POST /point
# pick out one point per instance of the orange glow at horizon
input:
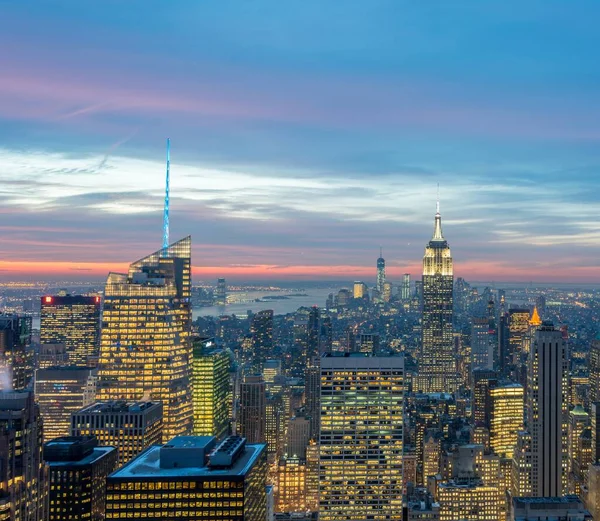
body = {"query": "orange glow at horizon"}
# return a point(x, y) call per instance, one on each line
point(470, 270)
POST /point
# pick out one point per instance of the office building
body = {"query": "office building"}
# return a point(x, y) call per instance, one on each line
point(16, 356)
point(518, 328)
point(211, 390)
point(192, 478)
point(77, 472)
point(437, 365)
point(471, 499)
point(595, 428)
point(61, 391)
point(271, 370)
point(595, 370)
point(298, 435)
point(72, 320)
point(562, 508)
point(579, 448)
point(275, 420)
point(380, 272)
point(360, 290)
point(521, 478)
point(221, 293)
point(252, 409)
point(592, 496)
point(361, 419)
point(23, 479)
point(52, 355)
point(546, 411)
point(483, 380)
point(506, 417)
point(482, 349)
point(145, 351)
point(261, 331)
point(291, 489)
point(130, 427)
point(367, 343)
point(405, 288)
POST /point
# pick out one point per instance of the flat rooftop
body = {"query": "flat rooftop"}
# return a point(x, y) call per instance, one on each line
point(95, 455)
point(118, 406)
point(147, 464)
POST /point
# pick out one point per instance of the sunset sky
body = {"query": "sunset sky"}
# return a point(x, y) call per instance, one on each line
point(305, 134)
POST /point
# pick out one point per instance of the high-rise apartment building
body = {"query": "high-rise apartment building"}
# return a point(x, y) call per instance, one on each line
point(210, 384)
point(361, 441)
point(130, 427)
point(23, 483)
point(145, 351)
point(252, 409)
point(16, 356)
point(506, 417)
point(192, 478)
point(261, 331)
point(437, 365)
point(546, 411)
point(77, 472)
point(380, 272)
point(61, 391)
point(72, 320)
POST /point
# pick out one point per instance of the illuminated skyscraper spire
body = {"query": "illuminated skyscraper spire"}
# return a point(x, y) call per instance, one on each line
point(437, 231)
point(165, 243)
point(380, 271)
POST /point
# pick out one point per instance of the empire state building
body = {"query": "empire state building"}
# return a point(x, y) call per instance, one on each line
point(437, 367)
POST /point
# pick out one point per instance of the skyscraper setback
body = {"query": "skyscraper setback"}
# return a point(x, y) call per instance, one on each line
point(145, 351)
point(437, 367)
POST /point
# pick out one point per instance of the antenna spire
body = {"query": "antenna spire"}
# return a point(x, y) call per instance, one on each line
point(437, 204)
point(166, 210)
point(380, 251)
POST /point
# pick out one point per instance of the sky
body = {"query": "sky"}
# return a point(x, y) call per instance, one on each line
point(305, 135)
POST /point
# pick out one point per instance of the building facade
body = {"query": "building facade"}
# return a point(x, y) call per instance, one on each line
point(23, 478)
point(361, 440)
point(72, 320)
point(61, 391)
point(192, 478)
point(211, 393)
point(16, 356)
point(437, 365)
point(130, 427)
point(77, 472)
point(252, 423)
point(145, 351)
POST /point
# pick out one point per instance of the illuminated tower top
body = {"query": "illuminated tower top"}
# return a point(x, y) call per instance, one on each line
point(166, 209)
point(438, 258)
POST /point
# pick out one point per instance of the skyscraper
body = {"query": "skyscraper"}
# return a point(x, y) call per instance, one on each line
point(72, 320)
point(211, 394)
point(482, 350)
point(145, 349)
point(595, 370)
point(252, 414)
point(61, 391)
point(546, 411)
point(77, 472)
point(506, 417)
point(261, 331)
point(437, 367)
point(23, 485)
point(405, 295)
point(380, 272)
point(130, 427)
point(361, 440)
point(221, 293)
point(16, 357)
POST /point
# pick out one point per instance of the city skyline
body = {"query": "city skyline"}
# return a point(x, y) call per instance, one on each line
point(295, 158)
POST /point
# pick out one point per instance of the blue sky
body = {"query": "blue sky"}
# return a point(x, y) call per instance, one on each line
point(304, 134)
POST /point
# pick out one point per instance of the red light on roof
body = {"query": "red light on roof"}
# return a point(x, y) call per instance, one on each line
point(47, 300)
point(97, 299)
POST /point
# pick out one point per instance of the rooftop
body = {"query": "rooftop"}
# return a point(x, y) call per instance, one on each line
point(147, 464)
point(119, 406)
